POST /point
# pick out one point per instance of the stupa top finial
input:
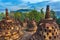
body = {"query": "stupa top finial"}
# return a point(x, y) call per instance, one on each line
point(47, 12)
point(6, 13)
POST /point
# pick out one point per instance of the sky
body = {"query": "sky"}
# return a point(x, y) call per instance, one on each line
point(14, 5)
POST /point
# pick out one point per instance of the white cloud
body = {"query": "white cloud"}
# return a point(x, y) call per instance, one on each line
point(54, 0)
point(5, 4)
point(11, 6)
point(34, 1)
point(16, 7)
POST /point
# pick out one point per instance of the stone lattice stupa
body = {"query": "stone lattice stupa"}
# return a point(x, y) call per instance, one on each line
point(10, 29)
point(47, 28)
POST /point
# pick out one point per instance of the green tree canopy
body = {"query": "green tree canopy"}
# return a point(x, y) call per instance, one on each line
point(2, 15)
point(42, 16)
point(34, 15)
point(53, 15)
point(58, 20)
point(17, 15)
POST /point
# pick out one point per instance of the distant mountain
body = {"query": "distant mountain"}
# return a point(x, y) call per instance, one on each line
point(57, 13)
point(27, 10)
point(23, 10)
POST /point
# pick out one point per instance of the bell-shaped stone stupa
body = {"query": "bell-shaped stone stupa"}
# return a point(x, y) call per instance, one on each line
point(47, 28)
point(10, 29)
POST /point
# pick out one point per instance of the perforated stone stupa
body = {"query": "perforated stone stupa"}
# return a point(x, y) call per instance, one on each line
point(47, 28)
point(10, 29)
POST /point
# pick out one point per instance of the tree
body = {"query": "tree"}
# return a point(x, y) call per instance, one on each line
point(53, 15)
point(58, 20)
point(17, 15)
point(2, 15)
point(34, 15)
point(42, 14)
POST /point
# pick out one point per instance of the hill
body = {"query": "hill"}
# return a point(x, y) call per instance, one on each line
point(57, 13)
point(22, 10)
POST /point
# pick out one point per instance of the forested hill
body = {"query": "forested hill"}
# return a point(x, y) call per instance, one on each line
point(57, 13)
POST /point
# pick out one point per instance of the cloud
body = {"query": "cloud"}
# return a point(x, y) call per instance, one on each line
point(25, 4)
point(19, 6)
point(10, 4)
point(34, 1)
point(54, 0)
point(13, 8)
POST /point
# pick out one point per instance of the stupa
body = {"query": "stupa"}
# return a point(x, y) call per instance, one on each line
point(10, 29)
point(29, 25)
point(47, 28)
